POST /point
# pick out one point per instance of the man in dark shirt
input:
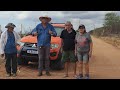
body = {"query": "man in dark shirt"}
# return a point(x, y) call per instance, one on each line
point(68, 46)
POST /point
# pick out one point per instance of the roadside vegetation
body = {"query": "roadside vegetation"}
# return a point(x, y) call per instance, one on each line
point(110, 32)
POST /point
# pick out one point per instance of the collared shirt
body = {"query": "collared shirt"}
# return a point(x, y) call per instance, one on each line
point(44, 37)
point(10, 46)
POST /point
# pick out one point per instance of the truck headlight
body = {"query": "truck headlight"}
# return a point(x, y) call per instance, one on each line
point(53, 46)
point(20, 44)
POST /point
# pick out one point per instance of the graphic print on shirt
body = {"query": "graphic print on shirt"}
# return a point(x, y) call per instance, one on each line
point(82, 41)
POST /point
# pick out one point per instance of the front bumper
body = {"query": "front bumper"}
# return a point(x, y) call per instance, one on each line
point(35, 58)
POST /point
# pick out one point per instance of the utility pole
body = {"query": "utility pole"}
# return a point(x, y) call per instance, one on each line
point(94, 29)
point(79, 21)
point(94, 26)
point(0, 31)
point(35, 21)
point(21, 30)
point(78, 24)
point(30, 29)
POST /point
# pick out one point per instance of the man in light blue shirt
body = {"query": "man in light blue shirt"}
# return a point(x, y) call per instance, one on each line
point(44, 31)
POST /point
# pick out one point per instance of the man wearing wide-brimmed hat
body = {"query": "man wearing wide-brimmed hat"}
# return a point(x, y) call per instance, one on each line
point(44, 31)
point(8, 49)
point(45, 17)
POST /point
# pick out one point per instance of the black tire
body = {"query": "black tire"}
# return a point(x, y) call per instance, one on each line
point(57, 64)
point(22, 61)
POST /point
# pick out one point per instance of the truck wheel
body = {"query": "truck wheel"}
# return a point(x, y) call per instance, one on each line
point(22, 61)
point(57, 64)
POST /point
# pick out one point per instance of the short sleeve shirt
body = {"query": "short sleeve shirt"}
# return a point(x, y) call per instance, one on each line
point(68, 40)
point(83, 42)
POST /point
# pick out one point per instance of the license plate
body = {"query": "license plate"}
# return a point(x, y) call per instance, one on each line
point(32, 52)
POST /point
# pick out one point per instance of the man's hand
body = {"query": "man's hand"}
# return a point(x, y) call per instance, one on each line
point(50, 32)
point(90, 54)
point(2, 55)
point(35, 33)
point(61, 50)
point(75, 53)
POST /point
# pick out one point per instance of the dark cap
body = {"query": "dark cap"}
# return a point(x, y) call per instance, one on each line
point(10, 25)
point(82, 26)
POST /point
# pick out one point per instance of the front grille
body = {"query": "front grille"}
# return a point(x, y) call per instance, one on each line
point(28, 54)
point(53, 54)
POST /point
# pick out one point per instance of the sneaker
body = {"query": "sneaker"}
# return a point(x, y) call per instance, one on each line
point(14, 75)
point(80, 76)
point(48, 74)
point(8, 75)
point(40, 74)
point(87, 76)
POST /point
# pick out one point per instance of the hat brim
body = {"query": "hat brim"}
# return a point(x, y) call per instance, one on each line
point(48, 18)
point(10, 26)
point(81, 27)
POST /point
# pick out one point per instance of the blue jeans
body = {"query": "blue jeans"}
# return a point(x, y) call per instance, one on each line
point(83, 56)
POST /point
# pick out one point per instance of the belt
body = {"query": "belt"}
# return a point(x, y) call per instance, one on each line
point(42, 46)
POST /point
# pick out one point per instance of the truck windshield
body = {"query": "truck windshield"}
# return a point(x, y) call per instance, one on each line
point(58, 30)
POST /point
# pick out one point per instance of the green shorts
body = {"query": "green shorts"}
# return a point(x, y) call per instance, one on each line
point(68, 56)
point(83, 56)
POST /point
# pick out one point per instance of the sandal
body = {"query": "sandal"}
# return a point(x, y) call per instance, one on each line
point(65, 76)
point(75, 76)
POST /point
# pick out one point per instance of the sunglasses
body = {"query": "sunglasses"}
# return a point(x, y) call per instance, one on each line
point(44, 18)
point(81, 28)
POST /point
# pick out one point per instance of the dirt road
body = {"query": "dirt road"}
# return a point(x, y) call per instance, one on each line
point(104, 64)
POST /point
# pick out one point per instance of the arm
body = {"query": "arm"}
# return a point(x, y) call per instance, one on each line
point(2, 46)
point(91, 46)
point(18, 37)
point(34, 31)
point(61, 36)
point(75, 46)
point(90, 52)
point(53, 33)
point(61, 45)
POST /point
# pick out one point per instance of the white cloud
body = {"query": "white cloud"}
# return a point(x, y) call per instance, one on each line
point(23, 15)
point(52, 14)
point(75, 22)
point(90, 18)
point(5, 14)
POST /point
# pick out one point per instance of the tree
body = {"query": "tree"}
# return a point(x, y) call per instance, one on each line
point(111, 26)
point(112, 22)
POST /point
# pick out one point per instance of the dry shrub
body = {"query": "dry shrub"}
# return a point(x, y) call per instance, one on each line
point(115, 41)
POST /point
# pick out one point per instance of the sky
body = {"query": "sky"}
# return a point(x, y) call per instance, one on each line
point(29, 19)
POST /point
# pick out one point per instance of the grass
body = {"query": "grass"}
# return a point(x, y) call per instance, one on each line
point(115, 41)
